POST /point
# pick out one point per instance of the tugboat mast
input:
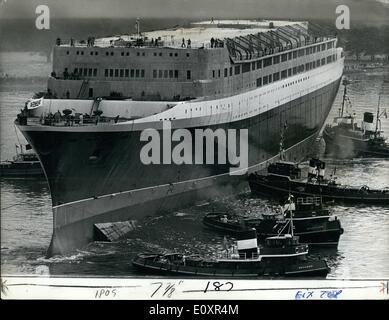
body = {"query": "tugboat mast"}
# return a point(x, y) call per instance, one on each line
point(378, 115)
point(344, 97)
point(291, 215)
point(282, 151)
point(378, 120)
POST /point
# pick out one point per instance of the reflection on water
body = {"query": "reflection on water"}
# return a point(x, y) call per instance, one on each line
point(26, 218)
point(26, 222)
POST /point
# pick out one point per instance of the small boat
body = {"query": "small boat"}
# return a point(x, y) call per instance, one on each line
point(284, 178)
point(282, 256)
point(345, 139)
point(313, 223)
point(23, 164)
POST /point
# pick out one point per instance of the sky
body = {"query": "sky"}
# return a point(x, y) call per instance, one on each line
point(360, 9)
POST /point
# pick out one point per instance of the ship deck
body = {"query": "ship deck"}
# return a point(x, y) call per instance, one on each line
point(199, 33)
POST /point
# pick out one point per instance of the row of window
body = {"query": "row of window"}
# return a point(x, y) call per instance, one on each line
point(294, 54)
point(127, 73)
point(295, 70)
point(246, 67)
point(165, 74)
point(170, 74)
point(223, 106)
point(174, 74)
point(138, 54)
point(140, 73)
point(85, 72)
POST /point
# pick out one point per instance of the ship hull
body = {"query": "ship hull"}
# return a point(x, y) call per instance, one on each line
point(98, 176)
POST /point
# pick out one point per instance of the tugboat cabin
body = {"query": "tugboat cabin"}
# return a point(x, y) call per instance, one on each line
point(285, 168)
point(282, 241)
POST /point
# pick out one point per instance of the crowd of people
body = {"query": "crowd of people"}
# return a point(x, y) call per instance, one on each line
point(57, 118)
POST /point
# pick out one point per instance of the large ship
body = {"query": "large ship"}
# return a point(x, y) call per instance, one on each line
point(108, 98)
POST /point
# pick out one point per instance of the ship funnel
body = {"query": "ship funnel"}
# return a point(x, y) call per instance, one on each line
point(312, 168)
point(367, 123)
point(247, 242)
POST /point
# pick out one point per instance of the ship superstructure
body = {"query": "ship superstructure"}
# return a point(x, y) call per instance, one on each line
point(231, 75)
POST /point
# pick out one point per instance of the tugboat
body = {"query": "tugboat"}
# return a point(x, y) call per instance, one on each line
point(313, 223)
point(23, 164)
point(345, 139)
point(281, 256)
point(284, 178)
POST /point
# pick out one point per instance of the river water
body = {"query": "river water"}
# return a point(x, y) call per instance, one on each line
point(26, 219)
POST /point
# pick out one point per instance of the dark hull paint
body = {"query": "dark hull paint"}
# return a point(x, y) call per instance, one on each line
point(314, 233)
point(283, 187)
point(72, 176)
point(309, 269)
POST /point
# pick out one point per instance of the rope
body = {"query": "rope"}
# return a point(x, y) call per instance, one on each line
point(16, 204)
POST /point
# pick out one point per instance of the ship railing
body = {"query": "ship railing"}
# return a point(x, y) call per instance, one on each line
point(75, 122)
point(121, 43)
point(73, 43)
point(237, 54)
point(309, 200)
point(238, 256)
point(244, 256)
point(71, 76)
